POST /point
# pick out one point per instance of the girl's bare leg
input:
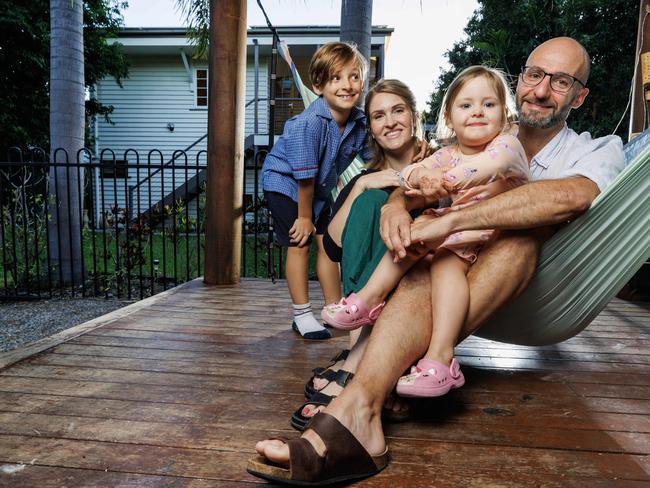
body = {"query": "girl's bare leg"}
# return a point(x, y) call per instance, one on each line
point(387, 276)
point(449, 302)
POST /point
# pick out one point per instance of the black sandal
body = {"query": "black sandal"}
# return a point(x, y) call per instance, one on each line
point(324, 373)
point(298, 420)
point(345, 458)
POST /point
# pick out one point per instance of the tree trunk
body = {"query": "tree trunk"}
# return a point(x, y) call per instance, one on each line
point(356, 25)
point(66, 132)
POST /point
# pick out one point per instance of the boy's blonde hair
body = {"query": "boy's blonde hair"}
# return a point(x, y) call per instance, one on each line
point(331, 57)
point(444, 134)
point(394, 87)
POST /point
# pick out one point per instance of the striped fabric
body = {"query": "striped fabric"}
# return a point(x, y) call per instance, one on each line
point(584, 265)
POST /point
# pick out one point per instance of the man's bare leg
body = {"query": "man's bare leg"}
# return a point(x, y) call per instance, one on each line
point(391, 348)
point(500, 274)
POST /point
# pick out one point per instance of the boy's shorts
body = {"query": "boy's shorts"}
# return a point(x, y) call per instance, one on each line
point(285, 213)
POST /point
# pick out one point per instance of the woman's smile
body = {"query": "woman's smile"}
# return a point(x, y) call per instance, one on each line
point(392, 134)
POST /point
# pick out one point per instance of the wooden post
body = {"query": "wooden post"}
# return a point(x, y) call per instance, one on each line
point(637, 123)
point(225, 141)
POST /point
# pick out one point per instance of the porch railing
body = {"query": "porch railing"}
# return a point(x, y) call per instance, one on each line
point(121, 243)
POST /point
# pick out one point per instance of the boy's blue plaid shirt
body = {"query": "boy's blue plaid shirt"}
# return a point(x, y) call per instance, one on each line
point(312, 146)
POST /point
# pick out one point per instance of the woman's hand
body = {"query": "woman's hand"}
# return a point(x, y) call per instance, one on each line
point(379, 179)
point(300, 231)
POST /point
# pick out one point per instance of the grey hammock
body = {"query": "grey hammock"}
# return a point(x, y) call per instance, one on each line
point(586, 263)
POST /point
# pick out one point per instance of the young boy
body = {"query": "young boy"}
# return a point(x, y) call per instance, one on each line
point(303, 167)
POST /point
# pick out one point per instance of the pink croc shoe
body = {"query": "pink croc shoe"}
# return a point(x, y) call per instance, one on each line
point(430, 378)
point(329, 310)
point(351, 313)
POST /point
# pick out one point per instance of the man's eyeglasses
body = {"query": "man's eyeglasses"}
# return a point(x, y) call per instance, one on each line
point(560, 82)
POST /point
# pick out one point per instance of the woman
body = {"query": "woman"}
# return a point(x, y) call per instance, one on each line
point(352, 237)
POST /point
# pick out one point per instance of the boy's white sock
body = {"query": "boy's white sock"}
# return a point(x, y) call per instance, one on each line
point(306, 324)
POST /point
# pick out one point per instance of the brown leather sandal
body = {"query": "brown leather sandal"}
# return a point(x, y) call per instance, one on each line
point(345, 458)
point(325, 372)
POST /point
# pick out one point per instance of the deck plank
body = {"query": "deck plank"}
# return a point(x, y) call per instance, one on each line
point(176, 390)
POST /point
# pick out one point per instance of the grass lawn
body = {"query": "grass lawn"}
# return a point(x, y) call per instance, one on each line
point(155, 255)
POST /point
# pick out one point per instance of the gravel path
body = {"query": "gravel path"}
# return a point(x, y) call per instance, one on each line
point(25, 322)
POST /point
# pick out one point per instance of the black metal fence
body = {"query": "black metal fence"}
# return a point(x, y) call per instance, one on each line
point(125, 225)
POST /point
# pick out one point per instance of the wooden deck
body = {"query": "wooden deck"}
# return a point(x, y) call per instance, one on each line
point(174, 391)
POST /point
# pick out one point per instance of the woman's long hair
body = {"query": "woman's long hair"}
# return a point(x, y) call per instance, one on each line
point(394, 87)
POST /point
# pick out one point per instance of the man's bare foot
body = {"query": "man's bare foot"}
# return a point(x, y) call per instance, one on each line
point(358, 417)
point(394, 406)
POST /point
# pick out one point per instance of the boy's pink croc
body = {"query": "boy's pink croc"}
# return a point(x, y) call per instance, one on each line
point(430, 378)
point(351, 313)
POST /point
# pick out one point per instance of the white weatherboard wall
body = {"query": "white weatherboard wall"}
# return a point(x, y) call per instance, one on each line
point(158, 91)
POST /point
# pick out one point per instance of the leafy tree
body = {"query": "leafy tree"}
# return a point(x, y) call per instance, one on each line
point(25, 64)
point(197, 18)
point(502, 33)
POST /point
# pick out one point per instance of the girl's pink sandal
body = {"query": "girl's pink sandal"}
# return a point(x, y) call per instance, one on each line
point(351, 313)
point(430, 378)
point(329, 310)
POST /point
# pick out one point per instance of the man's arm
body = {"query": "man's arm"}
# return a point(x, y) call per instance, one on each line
point(536, 204)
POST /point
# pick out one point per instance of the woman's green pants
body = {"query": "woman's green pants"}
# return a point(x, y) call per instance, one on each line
point(361, 242)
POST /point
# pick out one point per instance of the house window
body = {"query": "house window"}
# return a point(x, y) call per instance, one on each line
point(201, 87)
point(118, 168)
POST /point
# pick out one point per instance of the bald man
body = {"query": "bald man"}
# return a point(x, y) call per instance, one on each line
point(568, 171)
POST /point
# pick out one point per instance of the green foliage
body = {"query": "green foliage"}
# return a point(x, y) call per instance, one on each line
point(197, 18)
point(24, 65)
point(23, 220)
point(502, 33)
point(24, 71)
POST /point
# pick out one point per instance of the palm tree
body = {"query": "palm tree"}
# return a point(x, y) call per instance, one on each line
point(67, 132)
point(356, 24)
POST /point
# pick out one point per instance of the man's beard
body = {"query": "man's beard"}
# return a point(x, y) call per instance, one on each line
point(533, 120)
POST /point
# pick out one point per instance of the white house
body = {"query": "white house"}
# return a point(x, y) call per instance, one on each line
point(160, 112)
